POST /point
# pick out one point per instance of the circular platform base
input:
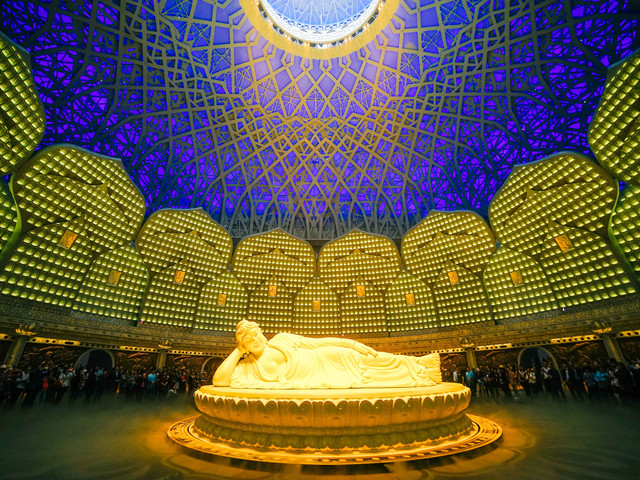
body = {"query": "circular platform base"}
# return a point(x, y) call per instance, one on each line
point(483, 433)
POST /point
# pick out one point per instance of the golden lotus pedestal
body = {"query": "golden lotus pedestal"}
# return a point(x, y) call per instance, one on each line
point(320, 427)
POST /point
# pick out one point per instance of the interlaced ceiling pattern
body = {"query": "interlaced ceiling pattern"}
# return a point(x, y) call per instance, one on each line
point(432, 113)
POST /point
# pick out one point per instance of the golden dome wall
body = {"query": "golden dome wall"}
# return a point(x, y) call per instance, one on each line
point(553, 253)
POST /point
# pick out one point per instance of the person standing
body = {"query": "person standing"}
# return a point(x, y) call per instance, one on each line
point(547, 379)
point(557, 389)
point(503, 381)
point(590, 382)
point(65, 382)
point(532, 380)
point(602, 379)
point(514, 380)
point(524, 381)
point(150, 386)
point(470, 381)
point(573, 378)
point(20, 380)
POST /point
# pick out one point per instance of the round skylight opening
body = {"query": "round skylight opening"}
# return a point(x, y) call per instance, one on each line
point(320, 23)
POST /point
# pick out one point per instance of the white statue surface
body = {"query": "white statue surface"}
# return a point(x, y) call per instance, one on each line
point(293, 399)
point(290, 361)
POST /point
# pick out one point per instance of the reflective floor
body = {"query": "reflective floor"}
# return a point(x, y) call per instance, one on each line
point(543, 439)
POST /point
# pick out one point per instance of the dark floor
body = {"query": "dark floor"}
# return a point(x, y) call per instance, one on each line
point(543, 439)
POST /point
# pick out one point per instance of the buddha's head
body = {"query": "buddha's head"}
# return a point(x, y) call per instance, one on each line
point(249, 335)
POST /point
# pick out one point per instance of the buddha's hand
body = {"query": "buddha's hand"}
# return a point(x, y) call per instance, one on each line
point(242, 349)
point(364, 350)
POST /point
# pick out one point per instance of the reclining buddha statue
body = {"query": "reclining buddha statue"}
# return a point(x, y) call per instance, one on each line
point(289, 361)
point(294, 399)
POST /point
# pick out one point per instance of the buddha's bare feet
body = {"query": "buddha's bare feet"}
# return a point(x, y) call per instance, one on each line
point(431, 360)
point(432, 363)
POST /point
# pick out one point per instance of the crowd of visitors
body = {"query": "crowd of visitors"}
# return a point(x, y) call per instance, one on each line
point(592, 381)
point(50, 384)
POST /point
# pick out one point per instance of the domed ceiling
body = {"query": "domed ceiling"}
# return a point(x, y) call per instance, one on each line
point(321, 116)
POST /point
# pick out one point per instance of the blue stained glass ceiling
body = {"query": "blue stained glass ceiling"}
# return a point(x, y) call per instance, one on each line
point(321, 21)
point(431, 113)
point(320, 13)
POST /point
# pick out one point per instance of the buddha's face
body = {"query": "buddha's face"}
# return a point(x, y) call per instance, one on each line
point(254, 341)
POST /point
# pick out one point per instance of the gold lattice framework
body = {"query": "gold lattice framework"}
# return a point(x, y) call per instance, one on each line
point(209, 105)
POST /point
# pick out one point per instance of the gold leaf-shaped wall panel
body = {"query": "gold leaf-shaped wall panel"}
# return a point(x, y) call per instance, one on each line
point(22, 118)
point(358, 254)
point(223, 303)
point(114, 285)
point(8, 220)
point(41, 268)
point(259, 257)
point(410, 305)
point(517, 285)
point(204, 259)
point(463, 238)
point(588, 271)
point(271, 306)
point(172, 297)
point(362, 309)
point(188, 236)
point(64, 182)
point(614, 133)
point(565, 188)
point(460, 297)
point(625, 225)
point(316, 310)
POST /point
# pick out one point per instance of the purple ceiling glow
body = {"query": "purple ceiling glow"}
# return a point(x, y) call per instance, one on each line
point(433, 113)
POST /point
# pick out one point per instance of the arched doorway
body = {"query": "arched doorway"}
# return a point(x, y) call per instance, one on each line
point(535, 357)
point(96, 357)
point(209, 367)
